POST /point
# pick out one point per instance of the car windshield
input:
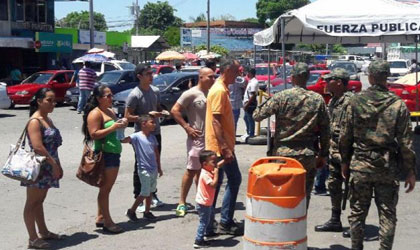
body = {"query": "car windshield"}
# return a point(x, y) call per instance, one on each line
point(127, 65)
point(313, 78)
point(38, 78)
point(398, 65)
point(350, 67)
point(263, 71)
point(163, 81)
point(109, 77)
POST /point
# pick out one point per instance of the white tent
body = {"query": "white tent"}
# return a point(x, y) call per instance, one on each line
point(344, 22)
point(347, 22)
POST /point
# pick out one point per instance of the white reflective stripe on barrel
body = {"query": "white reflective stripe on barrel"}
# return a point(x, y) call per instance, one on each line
point(267, 210)
point(249, 245)
point(275, 230)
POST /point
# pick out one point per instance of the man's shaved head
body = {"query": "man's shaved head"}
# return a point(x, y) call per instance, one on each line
point(204, 71)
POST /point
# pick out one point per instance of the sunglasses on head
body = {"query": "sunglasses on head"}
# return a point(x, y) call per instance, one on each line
point(108, 96)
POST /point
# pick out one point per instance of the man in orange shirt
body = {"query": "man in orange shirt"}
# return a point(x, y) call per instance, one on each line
point(220, 138)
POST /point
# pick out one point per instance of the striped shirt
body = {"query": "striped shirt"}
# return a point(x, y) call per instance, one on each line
point(87, 79)
point(236, 94)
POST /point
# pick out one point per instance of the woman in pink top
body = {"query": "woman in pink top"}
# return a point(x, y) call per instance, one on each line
point(205, 195)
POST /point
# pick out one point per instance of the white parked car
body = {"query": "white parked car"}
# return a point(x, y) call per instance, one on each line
point(399, 67)
point(358, 60)
point(101, 67)
point(5, 101)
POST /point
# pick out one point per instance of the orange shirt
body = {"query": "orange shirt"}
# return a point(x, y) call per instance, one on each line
point(218, 103)
point(205, 193)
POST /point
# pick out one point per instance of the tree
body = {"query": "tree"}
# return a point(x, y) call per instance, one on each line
point(199, 18)
point(172, 36)
point(158, 16)
point(225, 17)
point(321, 48)
point(215, 48)
point(80, 20)
point(269, 10)
point(250, 20)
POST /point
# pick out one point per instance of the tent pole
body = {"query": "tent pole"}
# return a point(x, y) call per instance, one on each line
point(416, 40)
point(269, 93)
point(283, 50)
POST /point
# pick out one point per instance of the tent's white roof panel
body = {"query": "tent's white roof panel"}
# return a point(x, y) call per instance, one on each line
point(143, 41)
point(347, 21)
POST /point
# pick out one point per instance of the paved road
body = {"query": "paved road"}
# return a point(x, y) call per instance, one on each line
point(71, 208)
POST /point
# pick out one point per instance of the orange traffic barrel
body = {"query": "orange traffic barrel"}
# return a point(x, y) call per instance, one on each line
point(276, 205)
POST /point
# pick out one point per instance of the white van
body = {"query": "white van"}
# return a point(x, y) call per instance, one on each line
point(358, 60)
point(101, 67)
point(399, 67)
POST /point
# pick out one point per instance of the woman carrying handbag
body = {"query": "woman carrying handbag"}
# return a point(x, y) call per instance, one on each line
point(44, 139)
point(100, 125)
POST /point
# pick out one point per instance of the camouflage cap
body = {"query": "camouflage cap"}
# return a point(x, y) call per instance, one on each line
point(379, 67)
point(299, 69)
point(339, 73)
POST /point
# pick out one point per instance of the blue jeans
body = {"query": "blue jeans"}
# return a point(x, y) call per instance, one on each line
point(236, 113)
point(320, 178)
point(205, 213)
point(84, 95)
point(249, 122)
point(231, 192)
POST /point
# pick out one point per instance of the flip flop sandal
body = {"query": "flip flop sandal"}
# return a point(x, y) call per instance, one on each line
point(38, 244)
point(51, 236)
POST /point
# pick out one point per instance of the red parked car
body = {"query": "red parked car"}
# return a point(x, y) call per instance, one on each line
point(405, 88)
point(161, 69)
point(261, 71)
point(318, 84)
point(58, 80)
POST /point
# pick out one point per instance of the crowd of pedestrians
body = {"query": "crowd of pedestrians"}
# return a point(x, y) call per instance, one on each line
point(363, 137)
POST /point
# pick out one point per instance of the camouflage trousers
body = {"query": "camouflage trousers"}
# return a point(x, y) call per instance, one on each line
point(335, 185)
point(385, 188)
point(308, 162)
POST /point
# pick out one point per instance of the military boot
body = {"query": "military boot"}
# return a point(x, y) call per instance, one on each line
point(333, 225)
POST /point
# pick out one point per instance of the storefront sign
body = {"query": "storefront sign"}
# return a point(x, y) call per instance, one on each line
point(99, 37)
point(32, 26)
point(50, 42)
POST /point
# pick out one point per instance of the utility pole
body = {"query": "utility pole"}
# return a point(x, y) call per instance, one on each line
point(136, 9)
point(208, 26)
point(91, 28)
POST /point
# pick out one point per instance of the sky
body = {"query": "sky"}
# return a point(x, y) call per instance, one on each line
point(116, 11)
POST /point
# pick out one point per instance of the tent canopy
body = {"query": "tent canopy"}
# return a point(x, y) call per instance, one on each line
point(347, 22)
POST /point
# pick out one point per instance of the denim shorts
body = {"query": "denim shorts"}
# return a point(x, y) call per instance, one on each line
point(111, 160)
point(148, 182)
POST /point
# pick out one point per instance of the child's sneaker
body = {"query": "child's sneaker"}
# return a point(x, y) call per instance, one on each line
point(131, 215)
point(149, 216)
point(181, 210)
point(201, 244)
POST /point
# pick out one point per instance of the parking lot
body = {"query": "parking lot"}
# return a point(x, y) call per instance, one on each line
point(71, 209)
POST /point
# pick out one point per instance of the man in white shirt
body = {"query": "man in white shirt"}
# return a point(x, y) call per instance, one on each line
point(250, 102)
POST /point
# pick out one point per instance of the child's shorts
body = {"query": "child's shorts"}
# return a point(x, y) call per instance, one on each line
point(148, 182)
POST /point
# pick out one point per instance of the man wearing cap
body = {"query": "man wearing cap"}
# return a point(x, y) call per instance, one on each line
point(301, 122)
point(376, 144)
point(337, 82)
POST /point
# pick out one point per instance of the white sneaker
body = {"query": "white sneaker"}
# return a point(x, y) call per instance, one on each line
point(244, 137)
point(156, 202)
point(141, 208)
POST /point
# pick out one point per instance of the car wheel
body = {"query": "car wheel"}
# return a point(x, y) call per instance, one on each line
point(257, 140)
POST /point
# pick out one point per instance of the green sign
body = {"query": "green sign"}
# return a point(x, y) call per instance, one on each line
point(51, 42)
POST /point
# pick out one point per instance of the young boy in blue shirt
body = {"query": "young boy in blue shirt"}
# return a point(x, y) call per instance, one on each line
point(148, 163)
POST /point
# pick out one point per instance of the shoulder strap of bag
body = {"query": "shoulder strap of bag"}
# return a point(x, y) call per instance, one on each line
point(22, 139)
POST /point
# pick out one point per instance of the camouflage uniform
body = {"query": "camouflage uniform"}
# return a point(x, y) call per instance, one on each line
point(336, 110)
point(300, 115)
point(375, 136)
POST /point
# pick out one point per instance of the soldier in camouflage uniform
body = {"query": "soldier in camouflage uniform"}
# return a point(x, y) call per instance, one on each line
point(337, 85)
point(376, 143)
point(301, 115)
